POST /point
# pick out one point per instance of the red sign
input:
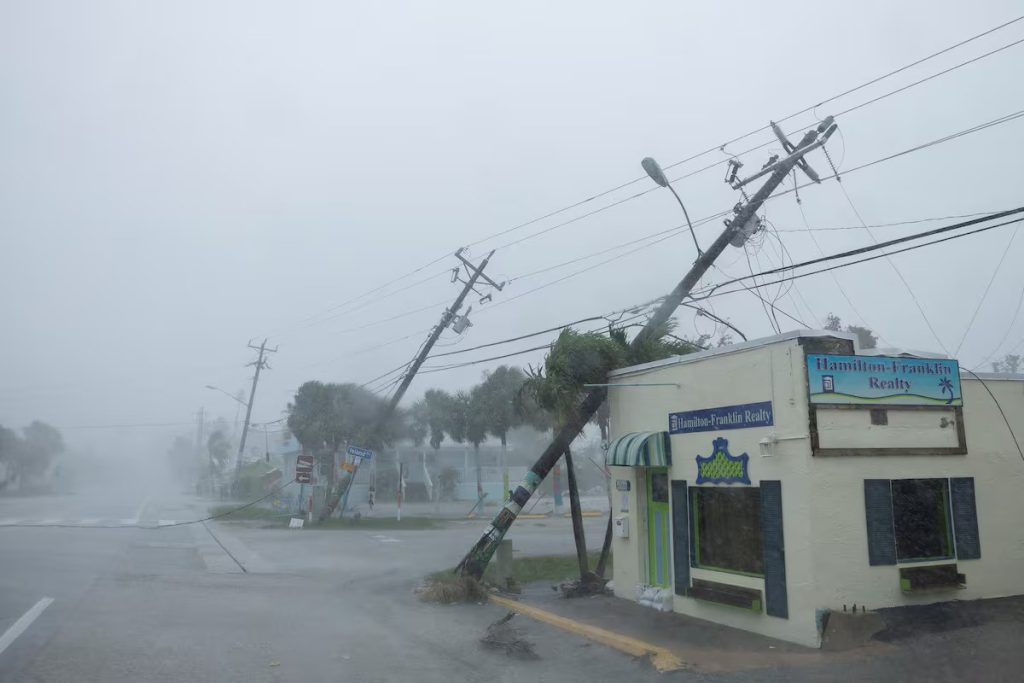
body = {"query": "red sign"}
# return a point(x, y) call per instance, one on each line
point(304, 477)
point(304, 463)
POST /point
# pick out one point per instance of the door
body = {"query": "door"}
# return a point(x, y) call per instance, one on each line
point(659, 550)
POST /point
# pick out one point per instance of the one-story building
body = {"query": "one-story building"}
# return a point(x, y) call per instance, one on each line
point(764, 484)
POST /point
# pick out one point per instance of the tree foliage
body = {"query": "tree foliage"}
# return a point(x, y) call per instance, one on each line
point(1010, 364)
point(866, 339)
point(325, 417)
point(497, 398)
point(31, 453)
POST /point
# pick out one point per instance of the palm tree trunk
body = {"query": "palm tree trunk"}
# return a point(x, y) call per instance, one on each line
point(577, 516)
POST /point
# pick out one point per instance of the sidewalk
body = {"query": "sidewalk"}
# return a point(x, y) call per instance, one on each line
point(911, 646)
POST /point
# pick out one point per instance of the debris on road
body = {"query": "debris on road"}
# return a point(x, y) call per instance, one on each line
point(451, 590)
point(501, 635)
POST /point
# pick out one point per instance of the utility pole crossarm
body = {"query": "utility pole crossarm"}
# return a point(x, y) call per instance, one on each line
point(475, 561)
point(446, 320)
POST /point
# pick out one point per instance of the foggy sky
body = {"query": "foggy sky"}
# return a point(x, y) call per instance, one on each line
point(177, 178)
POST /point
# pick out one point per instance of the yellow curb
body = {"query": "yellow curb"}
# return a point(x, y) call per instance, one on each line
point(532, 516)
point(662, 659)
point(583, 514)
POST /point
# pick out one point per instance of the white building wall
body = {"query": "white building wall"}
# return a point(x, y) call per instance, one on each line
point(746, 376)
point(840, 531)
point(823, 497)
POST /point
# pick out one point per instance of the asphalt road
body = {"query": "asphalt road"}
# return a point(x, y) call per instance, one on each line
point(174, 603)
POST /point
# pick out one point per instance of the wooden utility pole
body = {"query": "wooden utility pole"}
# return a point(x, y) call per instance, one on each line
point(260, 364)
point(447, 318)
point(736, 231)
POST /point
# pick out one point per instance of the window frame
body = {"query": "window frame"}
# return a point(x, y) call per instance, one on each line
point(694, 494)
point(947, 518)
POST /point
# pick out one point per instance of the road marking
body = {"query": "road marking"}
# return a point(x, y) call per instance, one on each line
point(10, 522)
point(89, 522)
point(662, 659)
point(166, 522)
point(128, 522)
point(18, 627)
point(386, 539)
point(48, 522)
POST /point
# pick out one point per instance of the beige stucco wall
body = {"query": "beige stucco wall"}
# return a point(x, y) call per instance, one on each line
point(840, 532)
point(823, 498)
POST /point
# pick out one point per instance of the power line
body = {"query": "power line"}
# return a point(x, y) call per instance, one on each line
point(899, 274)
point(1009, 328)
point(714, 148)
point(915, 221)
point(712, 291)
point(981, 301)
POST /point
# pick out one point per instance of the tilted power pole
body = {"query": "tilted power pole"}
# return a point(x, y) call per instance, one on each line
point(450, 315)
point(742, 224)
point(260, 364)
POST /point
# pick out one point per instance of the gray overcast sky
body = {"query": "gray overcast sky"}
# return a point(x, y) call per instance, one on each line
point(177, 178)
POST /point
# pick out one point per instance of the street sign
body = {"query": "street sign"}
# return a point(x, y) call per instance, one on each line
point(364, 453)
point(304, 477)
point(304, 463)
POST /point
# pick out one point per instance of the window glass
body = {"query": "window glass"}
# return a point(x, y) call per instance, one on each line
point(727, 529)
point(920, 509)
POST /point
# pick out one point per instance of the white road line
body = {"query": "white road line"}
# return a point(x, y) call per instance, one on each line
point(18, 627)
point(128, 522)
point(166, 522)
point(89, 522)
point(49, 522)
point(9, 522)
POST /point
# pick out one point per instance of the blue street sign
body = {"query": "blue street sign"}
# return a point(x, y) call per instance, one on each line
point(364, 453)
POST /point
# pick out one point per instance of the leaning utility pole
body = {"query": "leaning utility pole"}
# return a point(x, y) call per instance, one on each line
point(260, 364)
point(447, 317)
point(743, 224)
point(451, 317)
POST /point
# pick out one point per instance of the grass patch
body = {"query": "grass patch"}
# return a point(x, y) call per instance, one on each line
point(230, 512)
point(531, 569)
point(379, 523)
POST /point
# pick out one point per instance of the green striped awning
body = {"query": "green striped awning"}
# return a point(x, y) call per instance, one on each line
point(641, 449)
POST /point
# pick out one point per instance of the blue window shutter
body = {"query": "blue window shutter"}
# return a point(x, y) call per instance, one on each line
point(776, 603)
point(680, 537)
point(965, 518)
point(878, 511)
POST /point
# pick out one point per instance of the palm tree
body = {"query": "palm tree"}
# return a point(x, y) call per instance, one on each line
point(497, 396)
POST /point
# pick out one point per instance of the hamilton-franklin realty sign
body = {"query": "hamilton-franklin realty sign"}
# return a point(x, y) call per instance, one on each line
point(726, 417)
point(883, 379)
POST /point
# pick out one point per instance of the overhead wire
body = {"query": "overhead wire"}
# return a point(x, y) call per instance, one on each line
point(717, 147)
point(1009, 328)
point(988, 287)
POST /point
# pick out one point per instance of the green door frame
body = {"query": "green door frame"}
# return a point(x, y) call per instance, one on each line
point(659, 550)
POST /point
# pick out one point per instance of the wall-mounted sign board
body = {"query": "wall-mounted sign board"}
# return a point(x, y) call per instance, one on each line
point(883, 380)
point(743, 416)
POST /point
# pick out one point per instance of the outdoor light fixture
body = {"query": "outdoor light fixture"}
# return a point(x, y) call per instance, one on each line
point(657, 175)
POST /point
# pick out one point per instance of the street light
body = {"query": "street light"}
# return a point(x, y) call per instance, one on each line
point(657, 175)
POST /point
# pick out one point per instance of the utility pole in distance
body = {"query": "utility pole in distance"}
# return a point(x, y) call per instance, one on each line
point(742, 225)
point(450, 317)
point(260, 364)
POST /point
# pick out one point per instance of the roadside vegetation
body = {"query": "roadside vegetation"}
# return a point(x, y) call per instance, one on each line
point(276, 518)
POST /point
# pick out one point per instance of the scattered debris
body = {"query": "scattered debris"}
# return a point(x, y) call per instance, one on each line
point(590, 584)
point(451, 590)
point(503, 636)
point(275, 664)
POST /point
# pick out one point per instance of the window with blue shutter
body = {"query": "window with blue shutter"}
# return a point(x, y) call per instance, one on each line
point(965, 518)
point(878, 512)
point(680, 538)
point(775, 597)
